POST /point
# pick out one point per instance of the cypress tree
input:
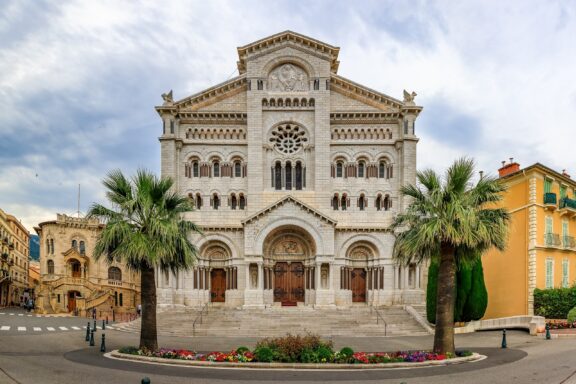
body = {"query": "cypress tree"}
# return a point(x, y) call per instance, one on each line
point(477, 301)
point(463, 289)
point(431, 289)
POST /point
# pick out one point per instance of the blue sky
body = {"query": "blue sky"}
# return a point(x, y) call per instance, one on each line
point(79, 80)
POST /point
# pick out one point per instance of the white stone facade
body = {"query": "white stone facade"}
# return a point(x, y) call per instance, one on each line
point(295, 172)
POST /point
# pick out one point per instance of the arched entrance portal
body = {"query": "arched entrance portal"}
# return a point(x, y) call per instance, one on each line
point(72, 295)
point(289, 254)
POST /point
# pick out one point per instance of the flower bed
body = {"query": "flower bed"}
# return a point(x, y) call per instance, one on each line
point(560, 324)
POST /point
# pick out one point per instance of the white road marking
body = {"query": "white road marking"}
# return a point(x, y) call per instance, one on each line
point(76, 328)
point(63, 328)
point(29, 315)
point(11, 314)
point(84, 327)
point(20, 314)
point(20, 329)
point(4, 328)
point(37, 329)
point(2, 313)
point(50, 329)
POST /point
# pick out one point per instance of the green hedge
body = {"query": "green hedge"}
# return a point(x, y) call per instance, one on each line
point(554, 303)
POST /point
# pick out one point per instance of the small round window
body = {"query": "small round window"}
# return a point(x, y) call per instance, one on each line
point(288, 139)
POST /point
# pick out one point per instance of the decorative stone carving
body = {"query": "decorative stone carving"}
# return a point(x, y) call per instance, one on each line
point(168, 98)
point(409, 97)
point(288, 78)
point(288, 246)
point(360, 253)
point(288, 139)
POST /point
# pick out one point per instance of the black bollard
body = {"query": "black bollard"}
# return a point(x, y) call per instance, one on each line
point(504, 345)
point(145, 380)
point(103, 326)
point(94, 327)
point(88, 332)
point(92, 338)
point(103, 345)
point(548, 337)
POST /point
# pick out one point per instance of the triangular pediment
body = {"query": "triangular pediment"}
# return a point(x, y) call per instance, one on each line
point(288, 38)
point(362, 95)
point(289, 200)
point(73, 253)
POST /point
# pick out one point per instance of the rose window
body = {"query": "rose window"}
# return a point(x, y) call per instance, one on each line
point(288, 139)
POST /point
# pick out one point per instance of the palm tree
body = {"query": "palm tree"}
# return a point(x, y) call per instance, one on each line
point(452, 221)
point(145, 230)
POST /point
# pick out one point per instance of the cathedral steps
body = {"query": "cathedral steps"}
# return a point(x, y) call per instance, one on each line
point(356, 321)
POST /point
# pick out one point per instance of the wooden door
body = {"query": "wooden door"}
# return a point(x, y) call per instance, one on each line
point(218, 286)
point(289, 283)
point(76, 272)
point(358, 283)
point(71, 301)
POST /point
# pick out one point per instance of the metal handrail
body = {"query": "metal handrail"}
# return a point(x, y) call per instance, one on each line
point(380, 318)
point(199, 317)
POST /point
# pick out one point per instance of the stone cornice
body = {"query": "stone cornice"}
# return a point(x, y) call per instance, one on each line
point(212, 117)
point(217, 92)
point(299, 203)
point(362, 229)
point(288, 37)
point(365, 117)
point(346, 86)
point(219, 228)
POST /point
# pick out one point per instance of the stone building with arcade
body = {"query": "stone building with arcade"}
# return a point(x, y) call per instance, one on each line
point(295, 174)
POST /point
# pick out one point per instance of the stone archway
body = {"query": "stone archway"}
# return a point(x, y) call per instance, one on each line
point(289, 269)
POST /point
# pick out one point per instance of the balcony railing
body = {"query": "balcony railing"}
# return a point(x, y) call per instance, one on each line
point(550, 198)
point(569, 241)
point(552, 240)
point(567, 203)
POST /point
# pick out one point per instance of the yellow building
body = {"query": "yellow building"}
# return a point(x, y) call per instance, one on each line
point(14, 254)
point(71, 280)
point(541, 251)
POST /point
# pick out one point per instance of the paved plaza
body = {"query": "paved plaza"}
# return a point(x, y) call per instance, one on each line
point(62, 356)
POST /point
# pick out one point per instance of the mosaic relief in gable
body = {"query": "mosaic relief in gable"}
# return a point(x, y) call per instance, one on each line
point(288, 78)
point(288, 245)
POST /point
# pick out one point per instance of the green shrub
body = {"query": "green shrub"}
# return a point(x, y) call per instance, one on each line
point(129, 350)
point(463, 288)
point(477, 300)
point(289, 348)
point(572, 315)
point(347, 352)
point(325, 354)
point(309, 356)
point(264, 354)
point(242, 350)
point(554, 303)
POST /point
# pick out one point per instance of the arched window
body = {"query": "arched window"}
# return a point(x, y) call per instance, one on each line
point(339, 166)
point(361, 168)
point(114, 273)
point(215, 201)
point(288, 172)
point(216, 169)
point(387, 203)
point(344, 202)
point(335, 201)
point(50, 265)
point(382, 170)
point(198, 201)
point(75, 244)
point(47, 246)
point(52, 246)
point(242, 201)
point(121, 300)
point(362, 202)
point(233, 201)
point(195, 169)
point(379, 202)
point(115, 298)
point(278, 176)
point(82, 248)
point(237, 169)
point(298, 175)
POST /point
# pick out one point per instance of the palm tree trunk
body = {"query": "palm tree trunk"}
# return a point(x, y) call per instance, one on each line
point(148, 332)
point(445, 300)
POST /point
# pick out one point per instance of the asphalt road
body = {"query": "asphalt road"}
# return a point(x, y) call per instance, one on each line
point(64, 357)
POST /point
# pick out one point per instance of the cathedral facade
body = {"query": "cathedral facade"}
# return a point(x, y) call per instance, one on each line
point(295, 174)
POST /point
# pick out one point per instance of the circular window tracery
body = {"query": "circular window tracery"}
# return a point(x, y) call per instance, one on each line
point(288, 139)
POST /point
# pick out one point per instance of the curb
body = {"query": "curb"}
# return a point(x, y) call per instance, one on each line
point(292, 366)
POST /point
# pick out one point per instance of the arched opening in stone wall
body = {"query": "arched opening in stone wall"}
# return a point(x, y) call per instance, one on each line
point(289, 264)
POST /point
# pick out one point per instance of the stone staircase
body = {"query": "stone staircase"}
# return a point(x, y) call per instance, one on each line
point(278, 321)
